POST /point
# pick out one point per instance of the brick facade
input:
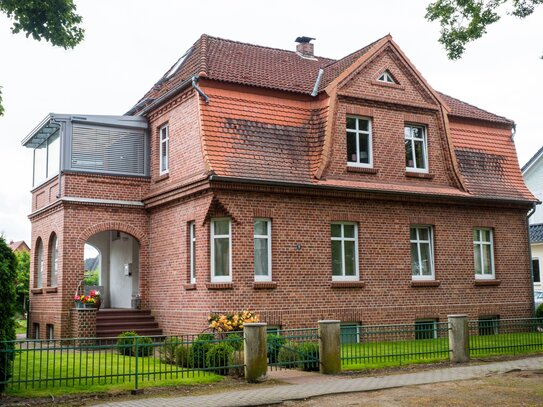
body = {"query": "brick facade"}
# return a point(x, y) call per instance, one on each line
point(257, 152)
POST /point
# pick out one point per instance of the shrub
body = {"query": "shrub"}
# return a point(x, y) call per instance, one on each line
point(8, 299)
point(218, 357)
point(199, 348)
point(130, 344)
point(539, 311)
point(235, 341)
point(168, 350)
point(275, 343)
point(304, 355)
point(183, 356)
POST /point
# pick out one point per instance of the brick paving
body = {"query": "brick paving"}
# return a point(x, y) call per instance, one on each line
point(309, 385)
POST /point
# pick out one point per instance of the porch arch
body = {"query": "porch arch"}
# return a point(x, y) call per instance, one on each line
point(112, 225)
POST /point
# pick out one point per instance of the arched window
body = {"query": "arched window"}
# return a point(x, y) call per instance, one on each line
point(39, 265)
point(53, 267)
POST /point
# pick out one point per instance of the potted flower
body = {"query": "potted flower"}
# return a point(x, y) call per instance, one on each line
point(93, 300)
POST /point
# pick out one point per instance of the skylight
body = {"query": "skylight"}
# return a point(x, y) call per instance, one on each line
point(178, 63)
point(386, 77)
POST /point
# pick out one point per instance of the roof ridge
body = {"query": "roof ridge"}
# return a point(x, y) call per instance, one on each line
point(262, 46)
point(203, 53)
point(476, 107)
point(354, 52)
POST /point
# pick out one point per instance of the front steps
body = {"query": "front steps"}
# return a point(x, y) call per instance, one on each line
point(111, 322)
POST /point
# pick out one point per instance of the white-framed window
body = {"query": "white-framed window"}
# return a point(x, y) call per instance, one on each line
point(192, 251)
point(483, 252)
point(349, 332)
point(386, 77)
point(221, 250)
point(262, 249)
point(536, 272)
point(344, 251)
point(54, 262)
point(426, 329)
point(164, 146)
point(422, 253)
point(359, 142)
point(489, 325)
point(416, 148)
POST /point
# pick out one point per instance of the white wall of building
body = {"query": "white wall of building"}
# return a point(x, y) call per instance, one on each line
point(533, 177)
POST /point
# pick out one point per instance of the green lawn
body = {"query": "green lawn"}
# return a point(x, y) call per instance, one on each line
point(20, 327)
point(376, 355)
point(91, 372)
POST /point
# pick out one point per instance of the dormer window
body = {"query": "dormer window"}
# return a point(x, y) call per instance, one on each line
point(386, 77)
point(164, 144)
point(416, 148)
point(359, 143)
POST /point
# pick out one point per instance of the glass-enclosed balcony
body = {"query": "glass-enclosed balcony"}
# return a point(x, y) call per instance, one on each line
point(110, 145)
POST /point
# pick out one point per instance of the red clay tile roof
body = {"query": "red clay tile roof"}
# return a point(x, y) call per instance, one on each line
point(20, 245)
point(254, 65)
point(463, 109)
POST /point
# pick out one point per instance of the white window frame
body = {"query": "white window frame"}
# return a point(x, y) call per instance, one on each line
point(164, 143)
point(54, 263)
point(386, 77)
point(214, 278)
point(413, 140)
point(356, 325)
point(418, 242)
point(536, 259)
point(192, 251)
point(268, 237)
point(357, 132)
point(478, 245)
point(343, 239)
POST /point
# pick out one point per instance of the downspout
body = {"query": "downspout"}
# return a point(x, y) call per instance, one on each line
point(317, 83)
point(200, 91)
point(530, 213)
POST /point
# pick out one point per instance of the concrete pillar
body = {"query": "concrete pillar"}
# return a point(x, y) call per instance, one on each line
point(255, 351)
point(458, 338)
point(329, 347)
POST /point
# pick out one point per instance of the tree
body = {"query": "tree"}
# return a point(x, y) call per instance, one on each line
point(54, 21)
point(463, 21)
point(23, 280)
point(8, 298)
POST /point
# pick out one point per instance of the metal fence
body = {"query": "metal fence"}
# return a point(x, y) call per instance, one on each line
point(42, 364)
point(294, 349)
point(373, 346)
point(494, 336)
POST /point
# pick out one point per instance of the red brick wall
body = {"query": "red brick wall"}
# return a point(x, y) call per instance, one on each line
point(104, 187)
point(304, 294)
point(83, 322)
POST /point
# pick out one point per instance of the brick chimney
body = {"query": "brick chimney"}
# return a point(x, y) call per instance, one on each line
point(304, 48)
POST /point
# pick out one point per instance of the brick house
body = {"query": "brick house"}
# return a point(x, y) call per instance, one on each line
point(299, 186)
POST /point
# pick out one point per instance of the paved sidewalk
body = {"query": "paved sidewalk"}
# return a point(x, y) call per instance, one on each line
point(332, 385)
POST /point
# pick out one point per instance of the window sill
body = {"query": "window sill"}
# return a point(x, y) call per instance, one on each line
point(161, 178)
point(387, 84)
point(425, 283)
point(423, 175)
point(51, 289)
point(347, 284)
point(189, 287)
point(486, 283)
point(219, 286)
point(264, 285)
point(363, 170)
point(36, 290)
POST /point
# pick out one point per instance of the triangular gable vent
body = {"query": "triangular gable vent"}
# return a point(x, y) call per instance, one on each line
point(387, 77)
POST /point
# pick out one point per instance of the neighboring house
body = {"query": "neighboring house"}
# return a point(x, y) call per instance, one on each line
point(532, 172)
point(19, 246)
point(298, 186)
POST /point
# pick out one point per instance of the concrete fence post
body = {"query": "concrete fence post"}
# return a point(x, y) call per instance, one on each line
point(329, 347)
point(255, 351)
point(458, 338)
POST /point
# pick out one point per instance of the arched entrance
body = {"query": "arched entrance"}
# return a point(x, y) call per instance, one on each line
point(118, 267)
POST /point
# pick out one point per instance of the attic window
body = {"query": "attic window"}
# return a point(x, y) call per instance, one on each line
point(386, 77)
point(178, 64)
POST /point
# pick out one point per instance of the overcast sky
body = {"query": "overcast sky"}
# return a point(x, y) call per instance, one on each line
point(130, 44)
